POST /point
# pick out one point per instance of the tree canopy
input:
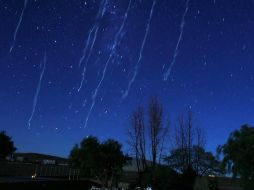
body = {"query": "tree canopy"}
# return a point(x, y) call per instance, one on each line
point(202, 162)
point(6, 146)
point(103, 161)
point(238, 152)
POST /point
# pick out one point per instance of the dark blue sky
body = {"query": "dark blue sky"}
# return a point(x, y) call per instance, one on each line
point(207, 47)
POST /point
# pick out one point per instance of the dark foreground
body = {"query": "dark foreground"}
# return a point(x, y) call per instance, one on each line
point(42, 185)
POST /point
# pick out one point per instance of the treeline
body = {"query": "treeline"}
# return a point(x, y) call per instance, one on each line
point(165, 156)
point(177, 153)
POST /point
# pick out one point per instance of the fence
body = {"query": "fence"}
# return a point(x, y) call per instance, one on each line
point(40, 170)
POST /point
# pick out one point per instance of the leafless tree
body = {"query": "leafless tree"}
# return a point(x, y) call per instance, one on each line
point(181, 143)
point(190, 130)
point(155, 128)
point(200, 137)
point(197, 150)
point(189, 141)
point(164, 140)
point(137, 140)
point(153, 133)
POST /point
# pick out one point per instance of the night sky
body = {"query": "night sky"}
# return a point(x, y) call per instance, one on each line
point(69, 69)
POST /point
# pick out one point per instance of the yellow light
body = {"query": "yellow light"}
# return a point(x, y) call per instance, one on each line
point(34, 176)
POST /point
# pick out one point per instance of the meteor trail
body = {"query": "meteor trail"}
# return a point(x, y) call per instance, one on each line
point(85, 49)
point(37, 90)
point(90, 44)
point(168, 72)
point(140, 53)
point(112, 52)
point(17, 27)
point(89, 54)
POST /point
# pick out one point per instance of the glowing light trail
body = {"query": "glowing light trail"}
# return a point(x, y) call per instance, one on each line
point(112, 52)
point(37, 90)
point(168, 72)
point(92, 34)
point(17, 27)
point(136, 69)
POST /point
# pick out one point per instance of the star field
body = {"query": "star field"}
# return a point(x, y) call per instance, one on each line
point(73, 68)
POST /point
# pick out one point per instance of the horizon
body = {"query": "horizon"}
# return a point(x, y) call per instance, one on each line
point(69, 69)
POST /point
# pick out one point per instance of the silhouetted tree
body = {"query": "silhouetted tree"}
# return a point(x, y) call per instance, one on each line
point(112, 160)
point(102, 161)
point(155, 128)
point(74, 158)
point(137, 139)
point(184, 140)
point(202, 162)
point(86, 156)
point(6, 146)
point(188, 155)
point(147, 137)
point(238, 154)
point(141, 133)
